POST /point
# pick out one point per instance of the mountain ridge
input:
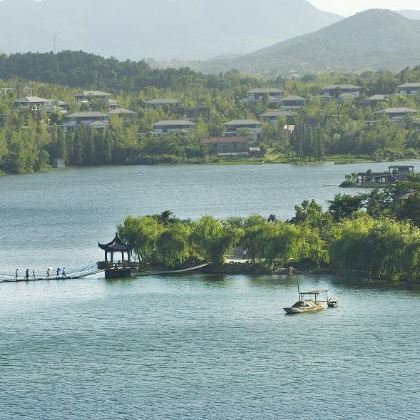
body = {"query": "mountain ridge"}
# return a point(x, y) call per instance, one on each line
point(161, 29)
point(375, 39)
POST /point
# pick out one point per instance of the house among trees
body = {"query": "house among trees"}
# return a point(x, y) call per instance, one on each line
point(293, 102)
point(170, 126)
point(334, 91)
point(112, 104)
point(228, 145)
point(409, 88)
point(56, 106)
point(238, 127)
point(195, 112)
point(85, 96)
point(32, 103)
point(95, 119)
point(123, 112)
point(272, 95)
point(375, 100)
point(273, 117)
point(397, 114)
point(167, 104)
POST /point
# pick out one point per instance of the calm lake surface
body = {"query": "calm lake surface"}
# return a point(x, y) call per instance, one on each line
point(189, 347)
point(56, 219)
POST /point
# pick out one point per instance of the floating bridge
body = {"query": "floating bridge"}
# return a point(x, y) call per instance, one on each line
point(74, 275)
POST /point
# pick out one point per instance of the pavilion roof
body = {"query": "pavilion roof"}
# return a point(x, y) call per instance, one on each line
point(116, 245)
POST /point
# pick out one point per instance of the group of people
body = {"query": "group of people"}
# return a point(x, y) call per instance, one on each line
point(60, 273)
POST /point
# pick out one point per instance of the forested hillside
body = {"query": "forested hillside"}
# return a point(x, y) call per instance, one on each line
point(83, 70)
point(339, 128)
point(371, 40)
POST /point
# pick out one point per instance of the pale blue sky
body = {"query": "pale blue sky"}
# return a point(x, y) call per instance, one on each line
point(350, 7)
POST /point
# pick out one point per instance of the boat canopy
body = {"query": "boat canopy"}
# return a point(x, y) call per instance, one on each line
point(314, 292)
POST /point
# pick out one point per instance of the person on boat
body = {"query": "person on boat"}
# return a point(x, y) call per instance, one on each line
point(63, 273)
point(33, 274)
point(27, 274)
point(58, 272)
point(17, 273)
point(49, 273)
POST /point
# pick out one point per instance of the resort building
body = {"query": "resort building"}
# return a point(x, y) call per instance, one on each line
point(258, 94)
point(273, 116)
point(293, 102)
point(228, 145)
point(112, 104)
point(394, 174)
point(397, 114)
point(167, 104)
point(170, 126)
point(409, 89)
point(123, 112)
point(96, 120)
point(194, 113)
point(56, 106)
point(334, 91)
point(85, 96)
point(32, 103)
point(376, 99)
point(236, 127)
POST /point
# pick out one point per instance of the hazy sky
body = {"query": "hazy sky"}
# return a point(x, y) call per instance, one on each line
point(349, 7)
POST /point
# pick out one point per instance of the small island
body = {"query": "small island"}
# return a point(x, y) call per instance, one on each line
point(374, 235)
point(370, 179)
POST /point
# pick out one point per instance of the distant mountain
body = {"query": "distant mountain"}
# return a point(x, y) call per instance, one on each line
point(410, 14)
point(375, 39)
point(160, 29)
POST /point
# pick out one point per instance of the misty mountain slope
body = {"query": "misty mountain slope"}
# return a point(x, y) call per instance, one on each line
point(161, 29)
point(375, 39)
point(410, 14)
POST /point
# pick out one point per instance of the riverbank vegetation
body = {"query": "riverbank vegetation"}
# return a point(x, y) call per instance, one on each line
point(32, 137)
point(375, 235)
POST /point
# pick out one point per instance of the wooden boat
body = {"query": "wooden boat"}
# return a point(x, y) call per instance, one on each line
point(309, 302)
point(304, 306)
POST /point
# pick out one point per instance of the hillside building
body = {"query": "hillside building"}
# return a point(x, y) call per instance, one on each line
point(292, 102)
point(228, 145)
point(236, 127)
point(409, 89)
point(334, 91)
point(97, 120)
point(171, 126)
point(397, 114)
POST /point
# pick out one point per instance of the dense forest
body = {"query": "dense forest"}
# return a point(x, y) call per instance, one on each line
point(375, 235)
point(32, 138)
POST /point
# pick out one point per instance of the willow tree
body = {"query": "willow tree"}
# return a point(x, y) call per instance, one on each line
point(384, 248)
point(213, 239)
point(143, 233)
point(172, 246)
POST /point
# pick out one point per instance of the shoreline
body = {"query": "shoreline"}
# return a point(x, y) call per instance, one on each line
point(331, 160)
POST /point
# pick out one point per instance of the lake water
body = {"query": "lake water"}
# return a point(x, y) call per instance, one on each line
point(206, 347)
point(56, 219)
point(189, 347)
